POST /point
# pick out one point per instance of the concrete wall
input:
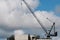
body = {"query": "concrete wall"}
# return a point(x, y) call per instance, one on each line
point(25, 37)
point(21, 37)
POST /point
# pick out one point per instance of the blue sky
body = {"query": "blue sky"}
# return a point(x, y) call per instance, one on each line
point(48, 5)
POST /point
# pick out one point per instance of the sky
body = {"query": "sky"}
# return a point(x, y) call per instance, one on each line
point(49, 5)
point(15, 17)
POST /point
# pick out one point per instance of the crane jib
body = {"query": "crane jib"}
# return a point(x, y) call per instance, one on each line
point(36, 17)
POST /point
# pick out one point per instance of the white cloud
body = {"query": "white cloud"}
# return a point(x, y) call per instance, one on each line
point(57, 8)
point(3, 39)
point(18, 18)
point(18, 32)
point(5, 34)
point(11, 12)
point(56, 38)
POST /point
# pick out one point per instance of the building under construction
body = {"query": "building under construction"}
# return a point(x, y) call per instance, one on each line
point(26, 37)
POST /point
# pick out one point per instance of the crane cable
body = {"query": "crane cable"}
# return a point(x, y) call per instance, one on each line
point(51, 26)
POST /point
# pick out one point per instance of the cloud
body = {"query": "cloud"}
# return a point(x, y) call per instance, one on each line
point(18, 32)
point(56, 38)
point(2, 39)
point(11, 11)
point(21, 6)
point(57, 9)
point(13, 17)
point(5, 34)
point(28, 21)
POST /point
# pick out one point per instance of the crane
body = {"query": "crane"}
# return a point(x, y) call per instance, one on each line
point(40, 23)
point(35, 16)
point(53, 26)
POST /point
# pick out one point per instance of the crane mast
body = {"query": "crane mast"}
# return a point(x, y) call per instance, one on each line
point(53, 26)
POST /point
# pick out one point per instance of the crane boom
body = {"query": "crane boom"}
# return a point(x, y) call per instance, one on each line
point(35, 17)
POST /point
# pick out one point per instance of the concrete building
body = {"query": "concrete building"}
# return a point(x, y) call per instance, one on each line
point(27, 37)
point(21, 37)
